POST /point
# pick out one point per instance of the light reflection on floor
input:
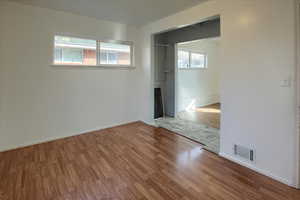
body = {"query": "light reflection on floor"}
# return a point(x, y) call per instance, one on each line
point(207, 110)
point(186, 157)
point(208, 115)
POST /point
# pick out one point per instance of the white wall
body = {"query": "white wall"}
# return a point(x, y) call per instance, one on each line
point(257, 53)
point(199, 87)
point(39, 102)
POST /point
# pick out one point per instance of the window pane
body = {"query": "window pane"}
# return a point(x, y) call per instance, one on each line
point(57, 55)
point(72, 56)
point(198, 60)
point(183, 59)
point(115, 54)
point(103, 57)
point(113, 58)
point(70, 50)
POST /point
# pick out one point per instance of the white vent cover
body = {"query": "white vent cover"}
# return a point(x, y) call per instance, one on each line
point(244, 152)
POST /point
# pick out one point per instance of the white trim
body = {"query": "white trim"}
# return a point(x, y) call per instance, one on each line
point(151, 123)
point(192, 68)
point(297, 92)
point(254, 168)
point(176, 79)
point(95, 66)
point(152, 76)
point(97, 53)
point(88, 37)
point(49, 139)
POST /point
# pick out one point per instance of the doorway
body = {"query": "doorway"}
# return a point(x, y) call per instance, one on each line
point(186, 98)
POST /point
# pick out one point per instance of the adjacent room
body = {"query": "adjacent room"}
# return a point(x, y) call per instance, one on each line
point(149, 100)
point(187, 87)
point(198, 81)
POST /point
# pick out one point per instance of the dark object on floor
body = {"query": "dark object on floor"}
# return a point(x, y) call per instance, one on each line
point(158, 106)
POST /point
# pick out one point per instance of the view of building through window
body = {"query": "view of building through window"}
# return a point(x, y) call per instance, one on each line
point(76, 51)
point(117, 54)
point(70, 51)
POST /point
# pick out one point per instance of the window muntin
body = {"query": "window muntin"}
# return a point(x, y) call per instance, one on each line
point(183, 59)
point(78, 51)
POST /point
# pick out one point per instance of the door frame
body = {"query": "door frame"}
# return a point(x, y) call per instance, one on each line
point(176, 78)
point(297, 91)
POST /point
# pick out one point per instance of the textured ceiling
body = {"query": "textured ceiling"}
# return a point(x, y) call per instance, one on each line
point(134, 12)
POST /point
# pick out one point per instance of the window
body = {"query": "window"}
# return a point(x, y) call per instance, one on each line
point(74, 51)
point(188, 60)
point(198, 60)
point(77, 51)
point(115, 54)
point(183, 59)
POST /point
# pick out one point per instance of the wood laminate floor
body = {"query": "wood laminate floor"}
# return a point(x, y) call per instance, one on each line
point(133, 161)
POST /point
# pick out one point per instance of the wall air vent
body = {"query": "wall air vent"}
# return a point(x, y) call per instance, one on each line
point(244, 152)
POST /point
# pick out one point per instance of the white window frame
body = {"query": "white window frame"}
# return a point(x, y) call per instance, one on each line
point(205, 60)
point(98, 42)
point(190, 60)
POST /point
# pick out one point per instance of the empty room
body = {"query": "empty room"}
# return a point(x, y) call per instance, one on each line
point(149, 99)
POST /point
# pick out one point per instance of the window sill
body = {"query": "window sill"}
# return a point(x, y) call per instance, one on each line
point(95, 66)
point(193, 68)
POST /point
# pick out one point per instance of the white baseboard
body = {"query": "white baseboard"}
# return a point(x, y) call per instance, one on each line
point(49, 139)
point(151, 123)
point(254, 168)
